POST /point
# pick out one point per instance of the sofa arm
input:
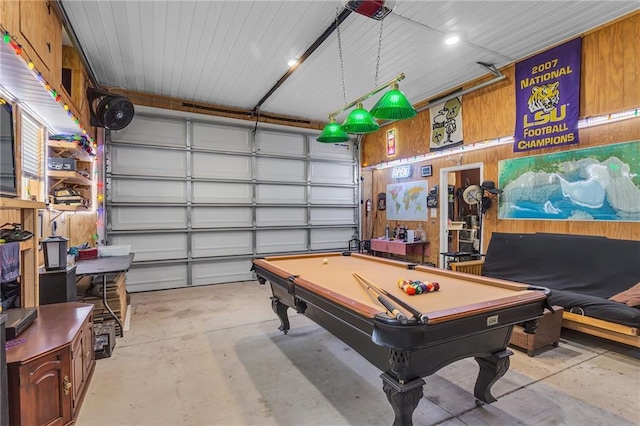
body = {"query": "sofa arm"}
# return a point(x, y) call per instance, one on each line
point(470, 266)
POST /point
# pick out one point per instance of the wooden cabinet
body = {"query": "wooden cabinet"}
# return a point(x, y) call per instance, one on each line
point(37, 27)
point(77, 181)
point(42, 29)
point(41, 402)
point(49, 373)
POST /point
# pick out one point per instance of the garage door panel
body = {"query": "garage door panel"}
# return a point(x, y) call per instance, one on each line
point(331, 151)
point(131, 218)
point(220, 166)
point(222, 271)
point(196, 199)
point(281, 241)
point(332, 216)
point(221, 217)
point(281, 194)
point(276, 216)
point(152, 131)
point(280, 144)
point(156, 277)
point(126, 160)
point(222, 192)
point(148, 191)
point(223, 138)
point(324, 172)
point(210, 244)
point(154, 246)
point(331, 239)
point(331, 195)
point(276, 169)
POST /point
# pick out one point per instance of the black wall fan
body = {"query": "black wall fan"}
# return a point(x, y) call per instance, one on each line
point(109, 110)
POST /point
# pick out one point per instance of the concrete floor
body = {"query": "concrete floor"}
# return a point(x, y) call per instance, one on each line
point(213, 356)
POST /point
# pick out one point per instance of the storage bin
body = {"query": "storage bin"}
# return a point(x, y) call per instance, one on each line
point(90, 253)
point(62, 164)
point(106, 251)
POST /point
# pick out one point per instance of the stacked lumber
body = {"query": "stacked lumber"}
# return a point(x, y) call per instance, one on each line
point(90, 291)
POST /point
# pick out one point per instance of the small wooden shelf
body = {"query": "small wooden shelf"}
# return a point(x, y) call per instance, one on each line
point(71, 148)
point(73, 178)
point(26, 245)
point(16, 203)
point(67, 208)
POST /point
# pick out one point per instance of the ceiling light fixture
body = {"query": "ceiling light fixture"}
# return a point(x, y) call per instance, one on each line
point(392, 106)
point(333, 133)
point(452, 39)
point(360, 121)
point(292, 62)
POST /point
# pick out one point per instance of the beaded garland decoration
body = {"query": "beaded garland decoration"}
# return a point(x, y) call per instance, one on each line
point(417, 287)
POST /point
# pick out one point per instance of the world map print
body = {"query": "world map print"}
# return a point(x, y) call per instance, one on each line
point(407, 201)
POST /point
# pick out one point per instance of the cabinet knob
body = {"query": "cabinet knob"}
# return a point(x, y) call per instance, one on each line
point(85, 354)
point(66, 384)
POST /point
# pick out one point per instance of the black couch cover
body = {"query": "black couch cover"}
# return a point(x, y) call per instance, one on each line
point(582, 271)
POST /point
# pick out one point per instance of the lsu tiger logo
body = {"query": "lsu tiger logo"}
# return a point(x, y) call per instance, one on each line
point(544, 97)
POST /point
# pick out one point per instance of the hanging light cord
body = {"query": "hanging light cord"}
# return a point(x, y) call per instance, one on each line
point(344, 86)
point(378, 58)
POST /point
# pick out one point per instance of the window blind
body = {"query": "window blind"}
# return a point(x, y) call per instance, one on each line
point(32, 147)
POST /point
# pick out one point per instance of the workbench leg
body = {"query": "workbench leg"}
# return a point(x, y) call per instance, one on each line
point(106, 305)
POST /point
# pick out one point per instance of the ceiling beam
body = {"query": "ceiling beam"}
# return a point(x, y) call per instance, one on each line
point(176, 104)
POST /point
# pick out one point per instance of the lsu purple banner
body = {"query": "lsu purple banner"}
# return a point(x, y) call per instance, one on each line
point(548, 98)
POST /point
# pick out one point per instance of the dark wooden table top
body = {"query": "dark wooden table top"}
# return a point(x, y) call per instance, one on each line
point(56, 326)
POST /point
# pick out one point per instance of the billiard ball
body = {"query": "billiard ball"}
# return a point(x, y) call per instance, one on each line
point(325, 261)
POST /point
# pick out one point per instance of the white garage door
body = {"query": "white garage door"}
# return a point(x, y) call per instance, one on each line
point(198, 200)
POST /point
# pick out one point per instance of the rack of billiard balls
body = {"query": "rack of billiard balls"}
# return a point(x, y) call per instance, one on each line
point(417, 287)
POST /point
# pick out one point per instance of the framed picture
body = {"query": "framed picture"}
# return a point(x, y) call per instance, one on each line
point(425, 171)
point(391, 142)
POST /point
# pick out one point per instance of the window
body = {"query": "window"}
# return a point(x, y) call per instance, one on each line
point(32, 141)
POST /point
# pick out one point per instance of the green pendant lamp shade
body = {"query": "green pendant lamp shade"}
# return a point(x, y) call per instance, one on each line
point(360, 121)
point(333, 133)
point(393, 106)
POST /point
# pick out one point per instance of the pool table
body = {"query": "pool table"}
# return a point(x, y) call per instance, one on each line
point(469, 316)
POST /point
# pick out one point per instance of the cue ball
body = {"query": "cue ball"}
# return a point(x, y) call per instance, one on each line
point(325, 261)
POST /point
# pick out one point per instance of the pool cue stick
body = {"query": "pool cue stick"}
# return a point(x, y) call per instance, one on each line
point(416, 313)
point(383, 300)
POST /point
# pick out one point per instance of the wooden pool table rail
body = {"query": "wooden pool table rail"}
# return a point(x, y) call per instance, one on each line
point(522, 293)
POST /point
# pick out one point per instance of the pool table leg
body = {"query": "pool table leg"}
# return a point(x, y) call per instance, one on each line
point(404, 397)
point(491, 369)
point(281, 311)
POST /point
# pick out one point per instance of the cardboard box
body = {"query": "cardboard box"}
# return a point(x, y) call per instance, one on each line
point(62, 164)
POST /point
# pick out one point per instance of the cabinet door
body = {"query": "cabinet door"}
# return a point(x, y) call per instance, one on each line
point(46, 390)
point(82, 361)
point(77, 367)
point(41, 28)
point(88, 354)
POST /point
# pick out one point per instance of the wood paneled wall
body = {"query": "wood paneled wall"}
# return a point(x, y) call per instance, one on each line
point(78, 227)
point(610, 83)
